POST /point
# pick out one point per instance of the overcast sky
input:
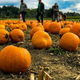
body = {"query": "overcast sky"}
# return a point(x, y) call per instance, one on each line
point(64, 5)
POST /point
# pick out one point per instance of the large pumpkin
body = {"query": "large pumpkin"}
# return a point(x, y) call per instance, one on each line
point(54, 27)
point(41, 40)
point(14, 59)
point(4, 36)
point(75, 29)
point(69, 41)
point(17, 35)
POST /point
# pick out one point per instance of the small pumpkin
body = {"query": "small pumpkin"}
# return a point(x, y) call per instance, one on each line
point(68, 25)
point(23, 26)
point(64, 30)
point(2, 26)
point(34, 30)
point(54, 27)
point(46, 26)
point(14, 59)
point(15, 26)
point(69, 41)
point(4, 36)
point(17, 35)
point(41, 40)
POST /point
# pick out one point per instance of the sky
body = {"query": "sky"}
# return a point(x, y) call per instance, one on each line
point(64, 5)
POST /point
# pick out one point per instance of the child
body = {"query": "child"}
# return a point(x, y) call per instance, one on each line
point(21, 17)
point(60, 17)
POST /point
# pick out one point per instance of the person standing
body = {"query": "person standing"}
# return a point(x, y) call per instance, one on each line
point(40, 11)
point(64, 17)
point(55, 12)
point(23, 9)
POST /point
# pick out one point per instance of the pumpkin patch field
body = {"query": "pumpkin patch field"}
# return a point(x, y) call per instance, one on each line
point(30, 48)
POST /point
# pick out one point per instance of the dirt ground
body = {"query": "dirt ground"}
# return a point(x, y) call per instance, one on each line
point(61, 67)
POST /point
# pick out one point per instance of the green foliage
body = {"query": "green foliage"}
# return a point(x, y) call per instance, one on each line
point(13, 12)
point(73, 17)
point(57, 51)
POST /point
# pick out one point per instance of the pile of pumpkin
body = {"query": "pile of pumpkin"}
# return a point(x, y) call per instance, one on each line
point(69, 30)
point(18, 59)
point(13, 59)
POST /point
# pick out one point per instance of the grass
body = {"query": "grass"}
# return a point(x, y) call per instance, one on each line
point(44, 19)
point(57, 51)
point(35, 19)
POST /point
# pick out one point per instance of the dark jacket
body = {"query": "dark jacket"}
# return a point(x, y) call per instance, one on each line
point(42, 8)
point(55, 10)
point(23, 7)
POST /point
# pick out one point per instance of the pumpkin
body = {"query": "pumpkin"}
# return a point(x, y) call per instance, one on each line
point(64, 30)
point(23, 26)
point(68, 25)
point(15, 26)
point(46, 26)
point(4, 36)
point(41, 40)
point(14, 59)
point(17, 35)
point(2, 26)
point(34, 25)
point(28, 23)
point(40, 25)
point(34, 30)
point(75, 29)
point(69, 41)
point(62, 24)
point(54, 27)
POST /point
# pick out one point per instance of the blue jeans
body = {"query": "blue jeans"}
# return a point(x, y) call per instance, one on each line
point(37, 16)
point(23, 16)
point(54, 17)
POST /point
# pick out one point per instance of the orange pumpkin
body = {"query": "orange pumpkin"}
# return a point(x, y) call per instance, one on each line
point(75, 29)
point(34, 30)
point(34, 25)
point(54, 27)
point(2, 26)
point(64, 30)
point(14, 59)
point(23, 26)
point(68, 25)
point(17, 35)
point(41, 40)
point(15, 26)
point(4, 36)
point(46, 26)
point(69, 41)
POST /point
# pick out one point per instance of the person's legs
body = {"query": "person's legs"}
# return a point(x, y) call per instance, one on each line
point(23, 16)
point(57, 18)
point(42, 18)
point(37, 17)
point(53, 17)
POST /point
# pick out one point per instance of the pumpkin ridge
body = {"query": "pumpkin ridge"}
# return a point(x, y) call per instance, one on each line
point(11, 59)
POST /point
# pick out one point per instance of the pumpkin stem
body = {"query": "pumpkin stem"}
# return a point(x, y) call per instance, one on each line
point(19, 44)
point(6, 36)
point(46, 39)
point(31, 76)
